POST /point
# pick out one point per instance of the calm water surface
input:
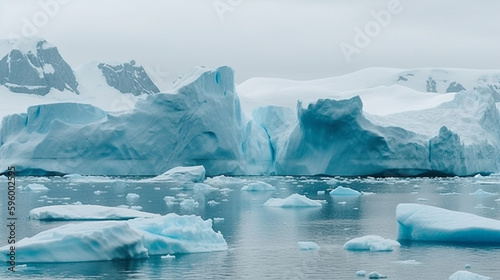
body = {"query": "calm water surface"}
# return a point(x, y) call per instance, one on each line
point(263, 240)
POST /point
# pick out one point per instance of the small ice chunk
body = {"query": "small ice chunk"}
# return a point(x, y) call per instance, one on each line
point(225, 191)
point(373, 243)
point(332, 181)
point(36, 188)
point(132, 197)
point(218, 220)
point(308, 245)
point(189, 204)
point(342, 202)
point(213, 203)
point(468, 266)
point(344, 191)
point(98, 192)
point(361, 273)
point(168, 256)
point(203, 188)
point(258, 186)
point(294, 200)
point(408, 262)
point(422, 199)
point(466, 275)
point(181, 174)
point(320, 193)
point(169, 200)
point(376, 275)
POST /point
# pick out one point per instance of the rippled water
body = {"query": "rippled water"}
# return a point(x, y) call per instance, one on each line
point(263, 240)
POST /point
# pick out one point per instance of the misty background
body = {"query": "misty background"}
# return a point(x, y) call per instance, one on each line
point(294, 39)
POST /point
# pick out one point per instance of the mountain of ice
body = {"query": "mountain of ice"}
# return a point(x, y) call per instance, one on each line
point(199, 124)
point(36, 71)
point(377, 121)
point(128, 78)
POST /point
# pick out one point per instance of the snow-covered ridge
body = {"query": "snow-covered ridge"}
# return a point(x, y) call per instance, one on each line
point(128, 78)
point(36, 71)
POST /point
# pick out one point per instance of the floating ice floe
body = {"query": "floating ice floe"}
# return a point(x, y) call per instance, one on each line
point(35, 188)
point(376, 275)
point(372, 243)
point(428, 223)
point(308, 245)
point(408, 262)
point(344, 191)
point(294, 200)
point(132, 197)
point(213, 203)
point(189, 204)
point(480, 192)
point(258, 186)
point(169, 200)
point(223, 180)
point(173, 234)
point(110, 240)
point(86, 212)
point(203, 188)
point(467, 275)
point(194, 174)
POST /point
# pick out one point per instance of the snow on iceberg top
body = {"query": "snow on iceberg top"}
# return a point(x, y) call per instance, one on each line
point(86, 212)
point(429, 223)
point(384, 91)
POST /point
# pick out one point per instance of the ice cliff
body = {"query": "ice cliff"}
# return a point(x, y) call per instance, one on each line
point(377, 121)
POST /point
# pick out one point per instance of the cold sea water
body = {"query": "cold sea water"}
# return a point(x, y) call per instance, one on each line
point(263, 240)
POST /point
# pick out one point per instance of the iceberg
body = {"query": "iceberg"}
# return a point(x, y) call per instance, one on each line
point(258, 186)
point(85, 212)
point(181, 174)
point(308, 245)
point(111, 240)
point(174, 234)
point(294, 200)
point(372, 243)
point(467, 275)
point(428, 223)
point(87, 241)
point(34, 187)
point(344, 191)
point(377, 121)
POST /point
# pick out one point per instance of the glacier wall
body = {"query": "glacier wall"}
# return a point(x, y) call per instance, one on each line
point(200, 122)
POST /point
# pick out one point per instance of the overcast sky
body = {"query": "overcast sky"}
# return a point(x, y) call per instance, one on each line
point(297, 39)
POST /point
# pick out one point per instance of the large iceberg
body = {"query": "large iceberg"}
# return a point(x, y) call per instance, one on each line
point(428, 223)
point(377, 121)
point(110, 240)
